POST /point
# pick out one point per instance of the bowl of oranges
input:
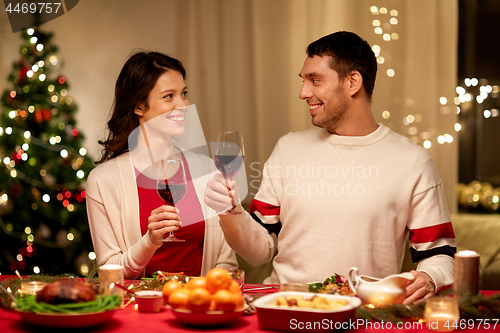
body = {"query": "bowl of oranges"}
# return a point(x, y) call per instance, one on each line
point(213, 299)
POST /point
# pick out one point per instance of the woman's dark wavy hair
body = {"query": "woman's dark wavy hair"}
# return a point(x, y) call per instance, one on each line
point(349, 52)
point(137, 78)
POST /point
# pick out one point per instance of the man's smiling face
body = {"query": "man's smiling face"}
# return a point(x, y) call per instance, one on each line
point(324, 92)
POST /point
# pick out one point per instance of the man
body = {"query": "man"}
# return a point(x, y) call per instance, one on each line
point(346, 193)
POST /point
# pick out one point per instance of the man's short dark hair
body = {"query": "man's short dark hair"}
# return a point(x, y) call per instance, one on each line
point(348, 53)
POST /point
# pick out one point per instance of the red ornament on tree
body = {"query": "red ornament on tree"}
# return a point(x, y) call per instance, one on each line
point(15, 156)
point(16, 190)
point(22, 73)
point(16, 265)
point(42, 115)
point(31, 251)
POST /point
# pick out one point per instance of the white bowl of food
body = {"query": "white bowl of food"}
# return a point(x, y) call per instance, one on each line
point(305, 312)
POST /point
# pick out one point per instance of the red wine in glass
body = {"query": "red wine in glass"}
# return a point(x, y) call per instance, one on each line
point(228, 165)
point(228, 158)
point(171, 193)
point(171, 186)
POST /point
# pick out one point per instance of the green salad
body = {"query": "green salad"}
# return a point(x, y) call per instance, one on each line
point(336, 280)
point(28, 303)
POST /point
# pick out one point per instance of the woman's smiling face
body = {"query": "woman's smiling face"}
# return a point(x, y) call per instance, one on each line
point(167, 96)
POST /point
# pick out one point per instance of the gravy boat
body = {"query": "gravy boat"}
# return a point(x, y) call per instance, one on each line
point(389, 290)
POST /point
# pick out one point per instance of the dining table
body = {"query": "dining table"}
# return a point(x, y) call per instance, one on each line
point(128, 319)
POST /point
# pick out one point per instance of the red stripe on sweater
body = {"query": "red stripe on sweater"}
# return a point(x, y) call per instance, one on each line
point(430, 234)
point(264, 208)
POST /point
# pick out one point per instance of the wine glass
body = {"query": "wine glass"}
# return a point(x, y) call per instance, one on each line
point(229, 157)
point(171, 186)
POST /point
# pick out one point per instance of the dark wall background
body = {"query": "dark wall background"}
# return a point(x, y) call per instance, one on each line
point(479, 57)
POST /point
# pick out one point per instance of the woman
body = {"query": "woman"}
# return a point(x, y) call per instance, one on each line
point(128, 220)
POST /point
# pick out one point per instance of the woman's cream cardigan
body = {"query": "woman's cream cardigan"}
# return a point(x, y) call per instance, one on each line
point(113, 211)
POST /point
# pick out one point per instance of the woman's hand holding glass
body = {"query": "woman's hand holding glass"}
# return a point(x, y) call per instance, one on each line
point(217, 195)
point(162, 220)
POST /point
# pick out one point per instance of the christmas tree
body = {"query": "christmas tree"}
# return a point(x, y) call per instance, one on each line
point(43, 220)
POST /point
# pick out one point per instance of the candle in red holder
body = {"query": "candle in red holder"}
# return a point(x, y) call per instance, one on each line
point(466, 273)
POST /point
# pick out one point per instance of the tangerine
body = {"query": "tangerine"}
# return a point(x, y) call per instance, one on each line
point(179, 298)
point(225, 300)
point(199, 299)
point(197, 282)
point(213, 306)
point(235, 287)
point(240, 301)
point(217, 279)
point(168, 288)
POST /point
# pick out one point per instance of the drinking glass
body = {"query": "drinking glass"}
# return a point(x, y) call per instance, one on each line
point(171, 186)
point(238, 275)
point(229, 158)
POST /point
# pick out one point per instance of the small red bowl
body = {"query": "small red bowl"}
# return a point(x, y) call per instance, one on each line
point(149, 300)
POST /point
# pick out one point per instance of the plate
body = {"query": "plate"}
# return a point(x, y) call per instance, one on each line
point(294, 319)
point(209, 318)
point(67, 320)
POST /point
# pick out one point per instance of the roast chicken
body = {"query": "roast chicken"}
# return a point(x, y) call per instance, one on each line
point(66, 291)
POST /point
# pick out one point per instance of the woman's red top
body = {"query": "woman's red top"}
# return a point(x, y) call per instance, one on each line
point(174, 256)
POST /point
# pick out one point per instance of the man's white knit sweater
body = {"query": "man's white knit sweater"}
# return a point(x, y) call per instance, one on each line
point(346, 202)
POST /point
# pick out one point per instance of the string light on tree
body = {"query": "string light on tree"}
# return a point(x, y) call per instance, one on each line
point(41, 154)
